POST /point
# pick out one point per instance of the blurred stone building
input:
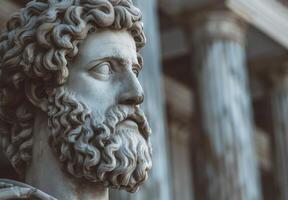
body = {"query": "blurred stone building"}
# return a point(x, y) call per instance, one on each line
point(216, 84)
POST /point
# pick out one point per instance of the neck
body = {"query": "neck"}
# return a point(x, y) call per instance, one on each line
point(45, 172)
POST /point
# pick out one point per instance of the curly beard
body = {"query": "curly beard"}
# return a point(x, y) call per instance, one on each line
point(101, 151)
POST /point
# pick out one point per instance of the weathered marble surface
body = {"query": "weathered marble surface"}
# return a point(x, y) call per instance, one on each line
point(279, 98)
point(70, 116)
point(226, 164)
point(15, 190)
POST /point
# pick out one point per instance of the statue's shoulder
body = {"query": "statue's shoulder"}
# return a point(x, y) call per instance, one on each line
point(10, 189)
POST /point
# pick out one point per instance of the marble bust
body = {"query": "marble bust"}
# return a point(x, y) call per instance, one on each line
point(70, 116)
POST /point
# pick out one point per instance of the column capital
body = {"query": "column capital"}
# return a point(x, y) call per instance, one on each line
point(220, 24)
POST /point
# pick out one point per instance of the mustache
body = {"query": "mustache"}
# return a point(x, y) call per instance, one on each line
point(119, 113)
point(115, 116)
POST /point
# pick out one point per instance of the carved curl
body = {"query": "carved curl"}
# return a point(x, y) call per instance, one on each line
point(35, 51)
point(15, 190)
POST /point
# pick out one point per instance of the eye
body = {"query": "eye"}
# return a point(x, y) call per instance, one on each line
point(101, 71)
point(136, 71)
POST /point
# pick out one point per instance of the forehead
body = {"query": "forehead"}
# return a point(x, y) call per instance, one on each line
point(109, 43)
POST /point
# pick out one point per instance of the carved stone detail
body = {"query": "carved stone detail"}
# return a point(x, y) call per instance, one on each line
point(68, 78)
point(15, 190)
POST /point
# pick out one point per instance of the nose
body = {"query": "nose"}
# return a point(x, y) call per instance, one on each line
point(132, 92)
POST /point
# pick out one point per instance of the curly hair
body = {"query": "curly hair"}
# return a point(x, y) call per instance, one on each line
point(35, 52)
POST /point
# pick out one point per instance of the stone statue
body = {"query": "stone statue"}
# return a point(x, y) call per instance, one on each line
point(70, 121)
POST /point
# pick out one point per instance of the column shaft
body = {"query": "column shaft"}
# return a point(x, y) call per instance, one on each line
point(226, 163)
point(279, 103)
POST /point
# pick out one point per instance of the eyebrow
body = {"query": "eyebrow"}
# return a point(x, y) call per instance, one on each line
point(119, 59)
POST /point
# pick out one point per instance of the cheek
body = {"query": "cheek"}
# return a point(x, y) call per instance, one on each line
point(98, 95)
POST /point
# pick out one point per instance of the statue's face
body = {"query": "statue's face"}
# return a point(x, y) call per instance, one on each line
point(97, 127)
point(105, 71)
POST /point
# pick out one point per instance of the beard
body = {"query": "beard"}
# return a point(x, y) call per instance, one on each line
point(96, 148)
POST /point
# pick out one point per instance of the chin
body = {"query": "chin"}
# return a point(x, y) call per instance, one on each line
point(127, 159)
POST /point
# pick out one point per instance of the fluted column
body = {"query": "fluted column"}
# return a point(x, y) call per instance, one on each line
point(279, 105)
point(225, 164)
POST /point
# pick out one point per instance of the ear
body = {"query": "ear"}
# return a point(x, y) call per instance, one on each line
point(34, 93)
